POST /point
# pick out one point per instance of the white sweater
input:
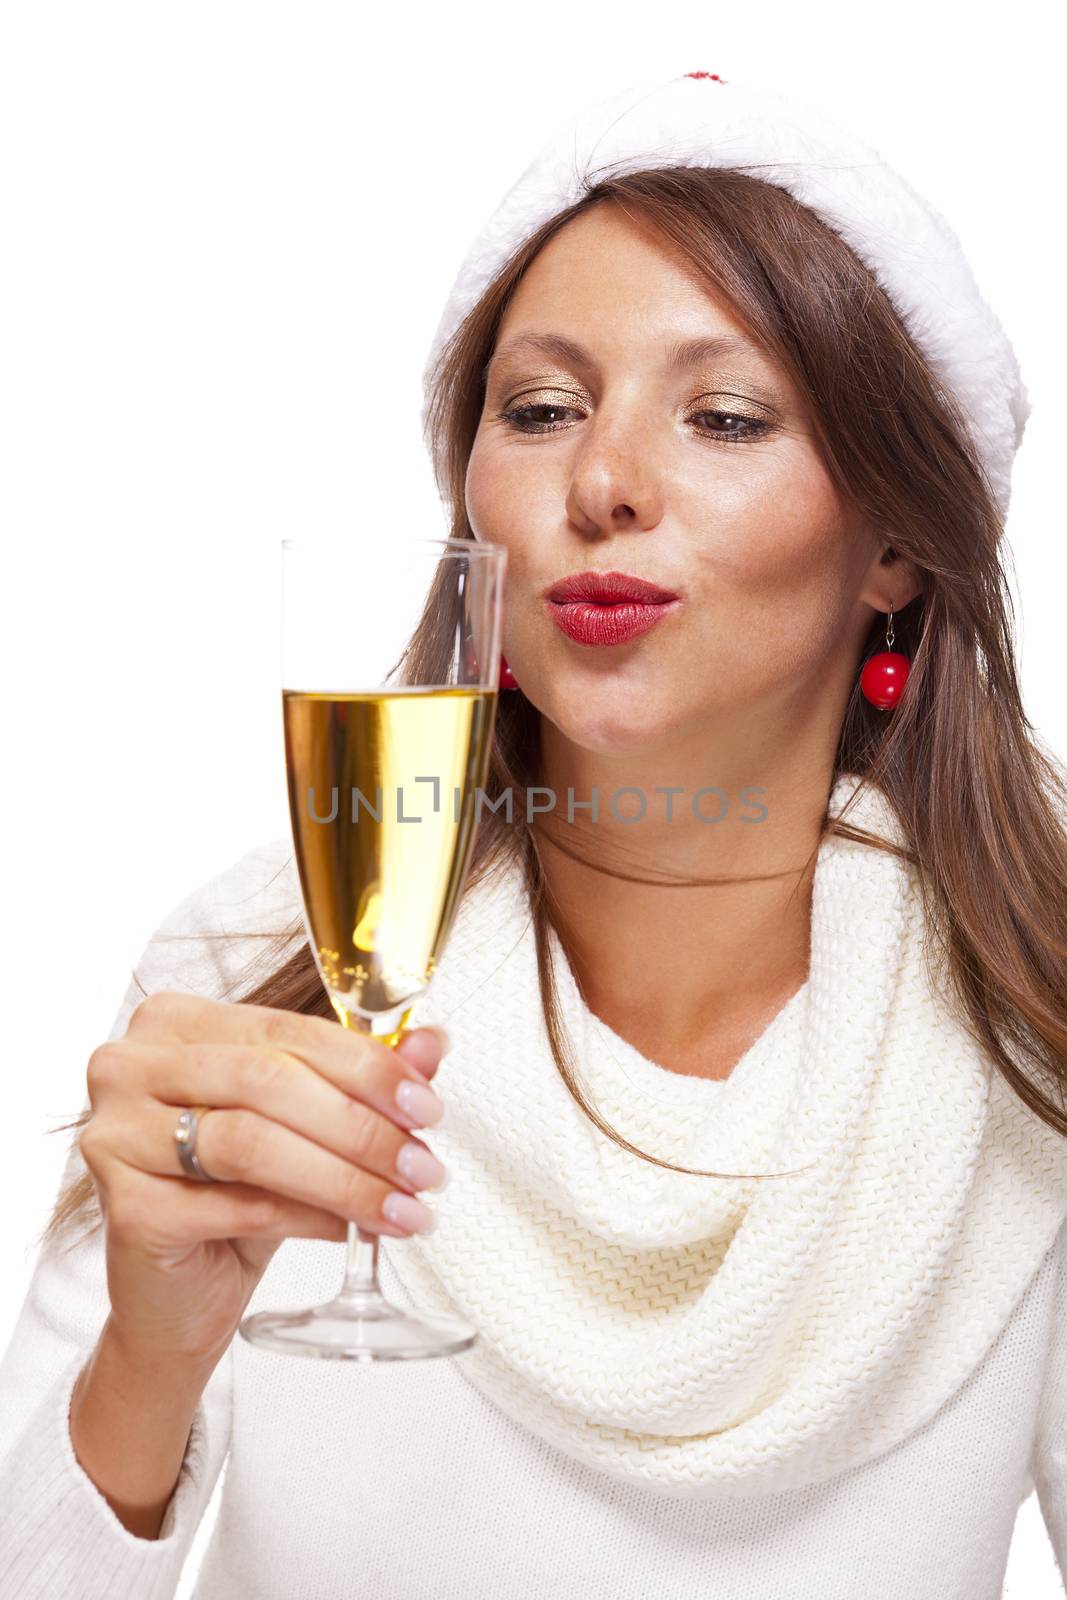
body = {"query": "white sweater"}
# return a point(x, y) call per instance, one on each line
point(403, 1482)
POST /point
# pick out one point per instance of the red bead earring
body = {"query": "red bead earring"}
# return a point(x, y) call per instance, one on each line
point(507, 677)
point(885, 674)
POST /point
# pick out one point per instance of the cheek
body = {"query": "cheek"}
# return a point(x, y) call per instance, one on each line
point(489, 492)
point(779, 526)
point(775, 571)
point(512, 498)
point(479, 489)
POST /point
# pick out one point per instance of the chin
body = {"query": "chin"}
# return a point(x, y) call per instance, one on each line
point(609, 728)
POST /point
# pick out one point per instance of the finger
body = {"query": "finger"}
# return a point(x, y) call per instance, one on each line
point(336, 1052)
point(368, 1128)
point(422, 1049)
point(163, 1214)
point(240, 1145)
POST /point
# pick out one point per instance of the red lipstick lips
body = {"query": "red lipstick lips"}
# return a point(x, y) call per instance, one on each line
point(607, 608)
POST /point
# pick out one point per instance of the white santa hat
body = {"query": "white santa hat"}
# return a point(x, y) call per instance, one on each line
point(700, 118)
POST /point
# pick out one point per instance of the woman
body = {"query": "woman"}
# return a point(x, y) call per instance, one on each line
point(755, 1047)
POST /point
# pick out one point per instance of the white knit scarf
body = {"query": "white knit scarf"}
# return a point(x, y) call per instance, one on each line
point(717, 1334)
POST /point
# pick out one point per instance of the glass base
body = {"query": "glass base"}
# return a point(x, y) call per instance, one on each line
point(359, 1327)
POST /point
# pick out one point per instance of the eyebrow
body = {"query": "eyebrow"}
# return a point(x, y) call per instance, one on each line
point(684, 353)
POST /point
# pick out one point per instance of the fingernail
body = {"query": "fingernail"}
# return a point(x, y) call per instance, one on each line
point(419, 1101)
point(421, 1166)
point(407, 1212)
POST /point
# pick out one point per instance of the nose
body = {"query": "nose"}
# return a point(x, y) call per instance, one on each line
point(615, 485)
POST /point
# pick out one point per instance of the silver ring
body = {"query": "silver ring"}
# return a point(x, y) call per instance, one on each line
point(185, 1139)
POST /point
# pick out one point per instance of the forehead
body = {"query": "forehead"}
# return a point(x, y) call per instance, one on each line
point(604, 282)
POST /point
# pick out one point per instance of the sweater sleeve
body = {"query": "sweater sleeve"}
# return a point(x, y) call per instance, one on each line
point(1048, 1466)
point(59, 1537)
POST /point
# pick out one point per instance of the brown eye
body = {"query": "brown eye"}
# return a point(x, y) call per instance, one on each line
point(542, 417)
point(750, 427)
point(523, 418)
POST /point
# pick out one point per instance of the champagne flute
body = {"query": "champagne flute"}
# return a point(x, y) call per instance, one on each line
point(390, 664)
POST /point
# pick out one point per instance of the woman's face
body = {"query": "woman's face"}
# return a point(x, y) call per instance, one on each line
point(702, 477)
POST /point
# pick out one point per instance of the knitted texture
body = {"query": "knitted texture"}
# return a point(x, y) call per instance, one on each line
point(401, 1478)
point(709, 121)
point(700, 1334)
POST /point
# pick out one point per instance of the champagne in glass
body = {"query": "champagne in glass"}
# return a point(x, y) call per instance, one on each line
point(390, 656)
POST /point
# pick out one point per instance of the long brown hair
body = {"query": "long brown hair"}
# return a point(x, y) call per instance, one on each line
point(981, 804)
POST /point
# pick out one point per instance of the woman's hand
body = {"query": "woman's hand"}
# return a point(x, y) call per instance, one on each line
point(305, 1133)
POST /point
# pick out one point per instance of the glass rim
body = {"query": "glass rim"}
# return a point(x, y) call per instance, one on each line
point(448, 547)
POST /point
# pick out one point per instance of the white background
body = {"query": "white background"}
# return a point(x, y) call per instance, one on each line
point(228, 233)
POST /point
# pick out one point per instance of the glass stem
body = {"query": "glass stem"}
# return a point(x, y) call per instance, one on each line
point(361, 1265)
point(361, 1284)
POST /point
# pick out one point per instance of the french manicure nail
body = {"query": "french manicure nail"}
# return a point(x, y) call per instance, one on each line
point(420, 1102)
point(407, 1212)
point(420, 1166)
